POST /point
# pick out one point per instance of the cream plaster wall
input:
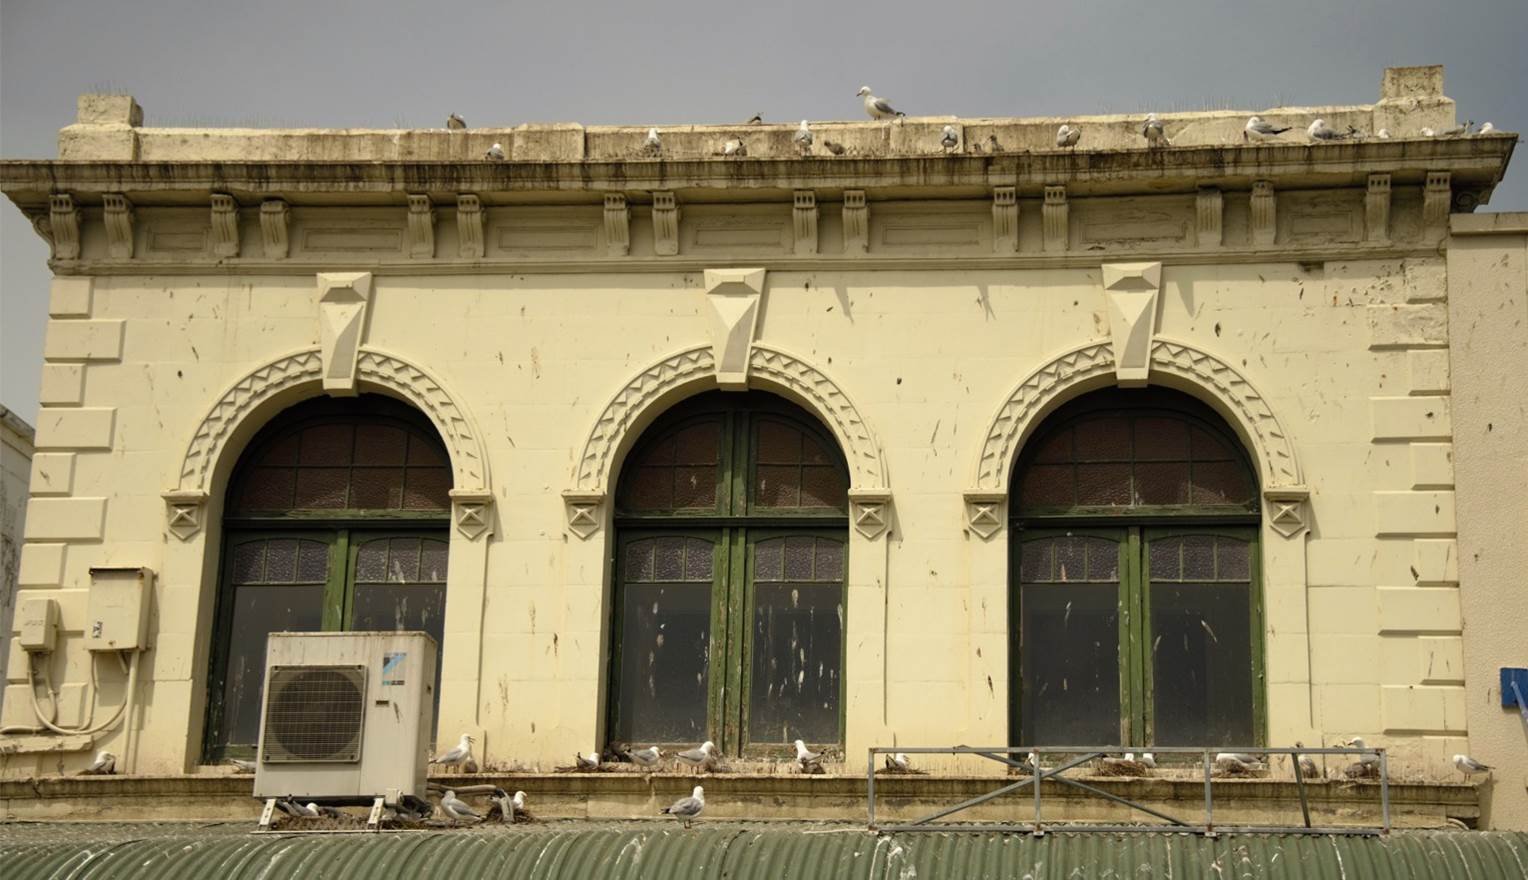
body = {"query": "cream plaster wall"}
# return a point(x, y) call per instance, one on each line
point(1337, 350)
point(1488, 309)
point(15, 467)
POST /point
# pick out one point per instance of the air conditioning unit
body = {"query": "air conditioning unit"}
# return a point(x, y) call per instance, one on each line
point(346, 717)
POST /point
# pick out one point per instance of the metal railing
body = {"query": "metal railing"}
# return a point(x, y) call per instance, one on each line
point(1037, 773)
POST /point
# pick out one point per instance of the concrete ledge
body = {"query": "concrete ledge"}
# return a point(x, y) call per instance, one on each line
point(630, 795)
point(1504, 223)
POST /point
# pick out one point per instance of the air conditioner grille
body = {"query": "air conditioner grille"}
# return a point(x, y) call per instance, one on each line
point(314, 714)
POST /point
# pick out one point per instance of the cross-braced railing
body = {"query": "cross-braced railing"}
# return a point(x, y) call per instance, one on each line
point(1078, 756)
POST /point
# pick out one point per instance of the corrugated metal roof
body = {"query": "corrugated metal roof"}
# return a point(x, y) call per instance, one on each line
point(632, 851)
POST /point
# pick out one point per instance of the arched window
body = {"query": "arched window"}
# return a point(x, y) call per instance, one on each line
point(732, 527)
point(336, 518)
point(1137, 612)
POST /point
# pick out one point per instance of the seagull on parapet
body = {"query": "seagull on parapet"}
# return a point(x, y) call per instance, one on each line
point(1469, 766)
point(834, 147)
point(756, 119)
point(686, 809)
point(653, 143)
point(949, 138)
point(698, 757)
point(803, 137)
point(590, 761)
point(1320, 131)
point(1486, 128)
point(1154, 132)
point(1383, 134)
point(459, 755)
point(239, 765)
point(648, 757)
point(1256, 129)
point(899, 762)
point(495, 152)
point(878, 108)
point(456, 809)
point(734, 148)
point(456, 123)
point(1068, 135)
point(807, 759)
point(105, 764)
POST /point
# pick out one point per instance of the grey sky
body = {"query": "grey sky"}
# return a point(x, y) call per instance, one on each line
point(389, 63)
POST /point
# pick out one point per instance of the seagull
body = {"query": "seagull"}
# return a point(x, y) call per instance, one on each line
point(1236, 757)
point(1149, 760)
point(495, 152)
point(456, 123)
point(292, 808)
point(308, 810)
point(734, 148)
point(653, 143)
point(688, 808)
point(1154, 133)
point(241, 766)
point(1320, 131)
point(1427, 132)
point(698, 757)
point(992, 145)
point(1257, 129)
point(1383, 134)
point(590, 761)
point(105, 764)
point(1460, 129)
point(459, 755)
point(455, 808)
point(1368, 759)
point(803, 136)
point(805, 758)
point(648, 757)
point(949, 138)
point(518, 802)
point(899, 762)
point(836, 149)
point(1468, 765)
point(1308, 768)
point(878, 108)
point(1486, 128)
point(756, 119)
point(1068, 136)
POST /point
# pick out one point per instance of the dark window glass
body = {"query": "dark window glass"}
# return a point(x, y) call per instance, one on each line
point(680, 470)
point(1068, 600)
point(400, 584)
point(665, 640)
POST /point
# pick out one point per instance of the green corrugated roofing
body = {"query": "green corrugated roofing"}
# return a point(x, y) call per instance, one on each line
point(745, 852)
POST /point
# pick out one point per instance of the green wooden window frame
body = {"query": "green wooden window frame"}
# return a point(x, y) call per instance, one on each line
point(735, 526)
point(343, 531)
point(1135, 528)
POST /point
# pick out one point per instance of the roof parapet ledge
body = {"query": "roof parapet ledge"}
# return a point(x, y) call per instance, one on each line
point(105, 128)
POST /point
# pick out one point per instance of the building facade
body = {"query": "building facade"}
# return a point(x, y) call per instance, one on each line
point(889, 442)
point(16, 437)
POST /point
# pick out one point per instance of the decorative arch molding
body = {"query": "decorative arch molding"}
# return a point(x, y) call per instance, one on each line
point(695, 369)
point(304, 370)
point(1094, 365)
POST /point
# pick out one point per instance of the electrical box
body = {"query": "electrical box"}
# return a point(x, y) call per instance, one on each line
point(117, 611)
point(38, 624)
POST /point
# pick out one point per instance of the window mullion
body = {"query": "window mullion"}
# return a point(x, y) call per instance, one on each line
point(336, 586)
point(1144, 684)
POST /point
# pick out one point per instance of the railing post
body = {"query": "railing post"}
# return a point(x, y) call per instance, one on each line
point(1384, 790)
point(1209, 796)
point(870, 786)
point(1039, 831)
point(1300, 785)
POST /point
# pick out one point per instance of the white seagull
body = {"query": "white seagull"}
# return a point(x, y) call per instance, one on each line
point(590, 761)
point(653, 143)
point(949, 138)
point(1256, 129)
point(1469, 766)
point(459, 755)
point(1383, 134)
point(1068, 135)
point(803, 136)
point(105, 764)
point(698, 757)
point(1308, 768)
point(1320, 131)
point(1368, 759)
point(1154, 133)
point(495, 152)
point(308, 810)
point(899, 762)
point(688, 808)
point(878, 108)
point(518, 802)
point(648, 757)
point(457, 809)
point(1149, 760)
point(734, 148)
point(1428, 132)
point(456, 123)
point(1486, 128)
point(805, 757)
point(241, 766)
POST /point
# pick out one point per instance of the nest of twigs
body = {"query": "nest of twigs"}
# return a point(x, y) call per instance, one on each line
point(1121, 767)
point(1360, 770)
point(1236, 769)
